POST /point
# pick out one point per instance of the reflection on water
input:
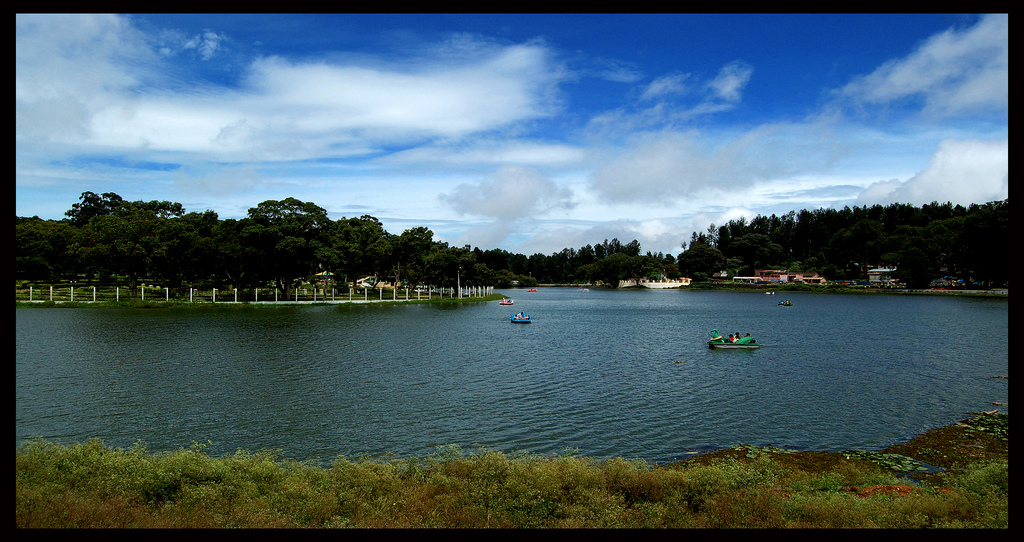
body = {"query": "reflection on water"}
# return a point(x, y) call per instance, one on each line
point(608, 373)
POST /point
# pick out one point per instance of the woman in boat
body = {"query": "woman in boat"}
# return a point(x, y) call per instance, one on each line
point(716, 337)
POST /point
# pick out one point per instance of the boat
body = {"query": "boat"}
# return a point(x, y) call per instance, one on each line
point(521, 318)
point(664, 283)
point(506, 301)
point(715, 345)
point(655, 284)
point(720, 343)
point(532, 290)
point(786, 303)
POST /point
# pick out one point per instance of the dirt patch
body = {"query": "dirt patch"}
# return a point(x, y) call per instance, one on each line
point(891, 490)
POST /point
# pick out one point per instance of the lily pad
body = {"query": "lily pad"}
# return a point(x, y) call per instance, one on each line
point(896, 462)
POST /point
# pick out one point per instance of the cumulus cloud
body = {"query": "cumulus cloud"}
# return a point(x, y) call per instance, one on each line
point(954, 72)
point(81, 76)
point(961, 172)
point(442, 100)
point(512, 193)
point(70, 66)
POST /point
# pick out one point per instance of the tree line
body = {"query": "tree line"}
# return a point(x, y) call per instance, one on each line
point(921, 243)
point(282, 243)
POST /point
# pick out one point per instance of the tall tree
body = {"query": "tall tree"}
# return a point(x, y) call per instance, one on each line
point(286, 236)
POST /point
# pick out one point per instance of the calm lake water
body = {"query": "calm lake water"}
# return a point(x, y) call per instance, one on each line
point(602, 373)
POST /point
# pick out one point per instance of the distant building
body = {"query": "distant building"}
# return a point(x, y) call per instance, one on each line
point(772, 275)
point(813, 278)
point(778, 276)
point(881, 276)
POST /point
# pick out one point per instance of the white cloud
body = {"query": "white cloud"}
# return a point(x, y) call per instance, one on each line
point(70, 66)
point(667, 167)
point(74, 75)
point(439, 101)
point(488, 153)
point(730, 80)
point(676, 101)
point(512, 193)
point(954, 72)
point(669, 84)
point(206, 44)
point(961, 172)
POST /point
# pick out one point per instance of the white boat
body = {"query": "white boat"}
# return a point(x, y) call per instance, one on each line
point(665, 283)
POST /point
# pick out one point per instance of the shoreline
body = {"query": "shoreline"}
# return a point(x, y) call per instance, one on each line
point(994, 292)
point(150, 304)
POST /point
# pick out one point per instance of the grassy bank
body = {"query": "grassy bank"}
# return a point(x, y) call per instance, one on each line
point(91, 485)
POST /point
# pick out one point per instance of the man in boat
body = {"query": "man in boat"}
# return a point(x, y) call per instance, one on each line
point(715, 337)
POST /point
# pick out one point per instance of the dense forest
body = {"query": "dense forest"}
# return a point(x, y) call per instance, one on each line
point(283, 243)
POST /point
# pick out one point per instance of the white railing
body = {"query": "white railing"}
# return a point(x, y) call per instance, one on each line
point(309, 294)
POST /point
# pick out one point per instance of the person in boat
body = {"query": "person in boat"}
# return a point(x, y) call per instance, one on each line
point(715, 336)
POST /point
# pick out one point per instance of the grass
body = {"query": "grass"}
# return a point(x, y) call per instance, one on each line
point(92, 485)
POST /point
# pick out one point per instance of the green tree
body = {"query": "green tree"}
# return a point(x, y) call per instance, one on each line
point(41, 249)
point(411, 250)
point(914, 267)
point(756, 251)
point(987, 229)
point(124, 244)
point(91, 205)
point(700, 261)
point(186, 248)
point(283, 238)
point(356, 242)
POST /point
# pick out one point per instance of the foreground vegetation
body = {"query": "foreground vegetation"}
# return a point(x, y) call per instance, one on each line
point(91, 485)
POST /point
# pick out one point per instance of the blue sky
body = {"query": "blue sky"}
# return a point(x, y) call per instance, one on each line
point(530, 133)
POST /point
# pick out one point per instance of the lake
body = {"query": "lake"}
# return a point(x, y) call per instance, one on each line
point(600, 373)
